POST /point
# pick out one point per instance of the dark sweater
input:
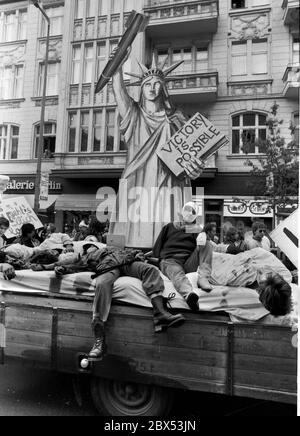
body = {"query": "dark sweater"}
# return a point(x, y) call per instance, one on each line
point(174, 243)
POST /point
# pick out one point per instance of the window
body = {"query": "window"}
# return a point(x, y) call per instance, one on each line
point(115, 25)
point(259, 57)
point(11, 82)
point(72, 131)
point(115, 6)
point(102, 7)
point(84, 131)
point(128, 5)
point(56, 15)
point(101, 57)
point(195, 58)
point(13, 25)
point(237, 4)
point(97, 130)
point(49, 140)
point(9, 141)
point(52, 78)
point(296, 48)
point(91, 8)
point(239, 58)
point(249, 133)
point(76, 64)
point(249, 58)
point(110, 130)
point(201, 59)
point(79, 9)
point(88, 63)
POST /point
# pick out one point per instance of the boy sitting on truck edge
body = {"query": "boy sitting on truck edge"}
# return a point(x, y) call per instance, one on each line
point(180, 252)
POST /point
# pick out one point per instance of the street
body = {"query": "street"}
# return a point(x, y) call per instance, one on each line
point(30, 392)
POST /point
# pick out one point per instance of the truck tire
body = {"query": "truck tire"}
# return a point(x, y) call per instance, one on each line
point(115, 398)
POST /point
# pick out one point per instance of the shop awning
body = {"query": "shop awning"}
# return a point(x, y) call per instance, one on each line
point(82, 203)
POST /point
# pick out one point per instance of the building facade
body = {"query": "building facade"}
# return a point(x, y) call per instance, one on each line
point(239, 57)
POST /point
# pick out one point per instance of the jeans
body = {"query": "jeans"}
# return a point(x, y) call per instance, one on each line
point(152, 282)
point(200, 260)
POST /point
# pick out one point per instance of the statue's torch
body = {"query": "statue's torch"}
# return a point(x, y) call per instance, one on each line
point(136, 23)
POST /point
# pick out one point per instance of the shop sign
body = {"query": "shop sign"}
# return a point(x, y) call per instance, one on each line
point(252, 208)
point(29, 185)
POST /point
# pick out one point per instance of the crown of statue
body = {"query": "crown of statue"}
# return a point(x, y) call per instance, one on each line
point(156, 70)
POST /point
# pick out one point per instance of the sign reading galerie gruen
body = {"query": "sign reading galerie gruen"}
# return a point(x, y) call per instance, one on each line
point(198, 138)
point(18, 212)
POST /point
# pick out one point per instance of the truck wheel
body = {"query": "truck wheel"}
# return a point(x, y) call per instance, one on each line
point(115, 398)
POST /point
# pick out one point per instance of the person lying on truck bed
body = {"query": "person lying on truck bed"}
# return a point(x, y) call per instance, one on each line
point(179, 254)
point(109, 264)
point(6, 269)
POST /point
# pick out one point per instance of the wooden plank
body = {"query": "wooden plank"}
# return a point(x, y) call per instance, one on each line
point(131, 330)
point(261, 333)
point(263, 394)
point(28, 320)
point(28, 352)
point(274, 365)
point(278, 382)
point(151, 352)
point(28, 338)
point(115, 369)
point(265, 348)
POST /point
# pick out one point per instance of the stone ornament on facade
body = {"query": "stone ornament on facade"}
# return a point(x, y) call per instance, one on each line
point(55, 49)
point(250, 26)
point(243, 90)
point(12, 54)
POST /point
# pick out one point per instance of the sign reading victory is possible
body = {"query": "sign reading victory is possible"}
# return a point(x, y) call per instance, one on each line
point(198, 138)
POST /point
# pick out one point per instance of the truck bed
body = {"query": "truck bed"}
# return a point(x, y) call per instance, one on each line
point(208, 353)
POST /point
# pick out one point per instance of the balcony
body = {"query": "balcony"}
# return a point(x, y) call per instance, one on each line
point(179, 18)
point(291, 12)
point(291, 80)
point(192, 87)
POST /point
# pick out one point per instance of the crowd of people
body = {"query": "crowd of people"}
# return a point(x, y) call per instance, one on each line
point(177, 252)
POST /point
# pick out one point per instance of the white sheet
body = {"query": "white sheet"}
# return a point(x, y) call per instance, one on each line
point(242, 304)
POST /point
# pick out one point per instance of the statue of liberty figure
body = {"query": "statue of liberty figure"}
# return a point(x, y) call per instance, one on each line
point(151, 194)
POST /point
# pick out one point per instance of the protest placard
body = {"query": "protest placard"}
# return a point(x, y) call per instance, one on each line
point(198, 138)
point(18, 212)
point(286, 236)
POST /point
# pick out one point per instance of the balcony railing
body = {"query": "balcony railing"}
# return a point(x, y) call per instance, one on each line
point(291, 12)
point(166, 16)
point(191, 86)
point(291, 80)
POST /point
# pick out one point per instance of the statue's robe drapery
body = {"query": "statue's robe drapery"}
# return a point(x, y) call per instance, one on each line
point(147, 201)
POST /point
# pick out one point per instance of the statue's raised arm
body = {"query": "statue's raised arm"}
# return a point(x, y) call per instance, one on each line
point(119, 88)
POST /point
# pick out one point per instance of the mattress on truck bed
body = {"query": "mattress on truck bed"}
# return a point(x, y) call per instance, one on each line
point(208, 353)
